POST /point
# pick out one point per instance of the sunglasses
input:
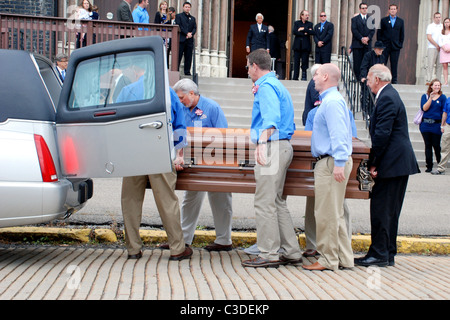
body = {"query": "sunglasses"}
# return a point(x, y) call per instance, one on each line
point(323, 15)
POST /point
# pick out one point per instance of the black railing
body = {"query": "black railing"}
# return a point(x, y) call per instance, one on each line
point(360, 98)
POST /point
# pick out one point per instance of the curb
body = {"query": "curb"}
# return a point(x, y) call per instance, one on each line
point(360, 243)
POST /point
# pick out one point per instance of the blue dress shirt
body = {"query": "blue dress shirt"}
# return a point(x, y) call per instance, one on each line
point(272, 107)
point(211, 115)
point(140, 15)
point(310, 122)
point(332, 134)
point(178, 121)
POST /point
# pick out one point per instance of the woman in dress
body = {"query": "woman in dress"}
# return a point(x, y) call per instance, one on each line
point(84, 13)
point(432, 104)
point(444, 43)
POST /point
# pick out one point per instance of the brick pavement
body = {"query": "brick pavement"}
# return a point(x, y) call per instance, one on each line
point(104, 273)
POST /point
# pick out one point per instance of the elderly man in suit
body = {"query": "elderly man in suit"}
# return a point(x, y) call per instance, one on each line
point(361, 38)
point(303, 30)
point(392, 34)
point(391, 162)
point(188, 28)
point(124, 11)
point(258, 35)
point(323, 35)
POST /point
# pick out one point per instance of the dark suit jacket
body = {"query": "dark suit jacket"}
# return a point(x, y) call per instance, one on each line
point(359, 31)
point(391, 153)
point(392, 38)
point(302, 41)
point(187, 23)
point(256, 39)
point(124, 12)
point(326, 36)
point(274, 46)
point(370, 59)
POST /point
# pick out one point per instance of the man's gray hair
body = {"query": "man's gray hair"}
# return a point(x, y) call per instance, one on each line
point(381, 72)
point(259, 15)
point(314, 68)
point(186, 85)
point(61, 56)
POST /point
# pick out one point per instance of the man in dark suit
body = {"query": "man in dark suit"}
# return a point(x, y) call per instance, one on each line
point(124, 11)
point(303, 30)
point(391, 162)
point(188, 28)
point(362, 36)
point(323, 35)
point(392, 34)
point(258, 35)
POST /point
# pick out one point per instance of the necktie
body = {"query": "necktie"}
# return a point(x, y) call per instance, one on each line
point(63, 74)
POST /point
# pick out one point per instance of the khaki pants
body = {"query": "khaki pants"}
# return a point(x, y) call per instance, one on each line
point(310, 223)
point(433, 59)
point(445, 149)
point(163, 187)
point(274, 225)
point(332, 239)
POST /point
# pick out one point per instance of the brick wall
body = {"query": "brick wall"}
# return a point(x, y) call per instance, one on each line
point(29, 7)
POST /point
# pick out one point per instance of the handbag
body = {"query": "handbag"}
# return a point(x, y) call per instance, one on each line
point(366, 181)
point(418, 117)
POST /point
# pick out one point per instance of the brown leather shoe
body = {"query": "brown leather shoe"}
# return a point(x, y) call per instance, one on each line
point(135, 256)
point(186, 254)
point(314, 267)
point(219, 247)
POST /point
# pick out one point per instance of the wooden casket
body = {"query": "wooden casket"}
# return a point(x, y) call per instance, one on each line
point(222, 160)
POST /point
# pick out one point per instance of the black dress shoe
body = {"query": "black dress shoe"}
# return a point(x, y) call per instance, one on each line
point(219, 247)
point(261, 263)
point(135, 256)
point(371, 261)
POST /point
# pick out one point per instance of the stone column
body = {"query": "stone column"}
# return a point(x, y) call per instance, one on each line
point(223, 33)
point(205, 66)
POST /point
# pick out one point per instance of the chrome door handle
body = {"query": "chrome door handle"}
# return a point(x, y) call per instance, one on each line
point(154, 125)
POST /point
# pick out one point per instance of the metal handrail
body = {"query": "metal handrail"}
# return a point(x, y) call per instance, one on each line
point(360, 98)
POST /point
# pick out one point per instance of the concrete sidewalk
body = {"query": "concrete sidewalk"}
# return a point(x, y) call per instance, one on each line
point(105, 273)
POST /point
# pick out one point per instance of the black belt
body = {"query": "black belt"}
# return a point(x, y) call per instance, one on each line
point(322, 157)
point(425, 120)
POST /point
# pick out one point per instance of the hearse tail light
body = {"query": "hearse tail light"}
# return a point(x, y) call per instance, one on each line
point(48, 169)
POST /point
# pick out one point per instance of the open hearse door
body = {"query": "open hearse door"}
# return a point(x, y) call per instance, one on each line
point(114, 113)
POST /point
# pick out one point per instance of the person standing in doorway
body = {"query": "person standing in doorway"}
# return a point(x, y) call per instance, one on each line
point(303, 30)
point(392, 34)
point(188, 28)
point(258, 35)
point(323, 35)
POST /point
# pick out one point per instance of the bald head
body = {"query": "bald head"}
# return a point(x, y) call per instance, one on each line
point(327, 76)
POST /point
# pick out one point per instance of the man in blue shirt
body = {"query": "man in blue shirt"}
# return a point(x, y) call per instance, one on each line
point(163, 187)
point(272, 128)
point(205, 113)
point(331, 144)
point(140, 14)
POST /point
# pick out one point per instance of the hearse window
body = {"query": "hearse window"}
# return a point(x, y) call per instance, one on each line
point(113, 79)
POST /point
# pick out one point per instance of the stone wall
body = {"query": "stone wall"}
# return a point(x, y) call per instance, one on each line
point(29, 7)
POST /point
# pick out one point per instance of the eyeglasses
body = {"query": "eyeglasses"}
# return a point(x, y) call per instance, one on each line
point(364, 8)
point(323, 15)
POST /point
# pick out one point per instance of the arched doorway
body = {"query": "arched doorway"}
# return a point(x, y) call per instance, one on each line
point(276, 13)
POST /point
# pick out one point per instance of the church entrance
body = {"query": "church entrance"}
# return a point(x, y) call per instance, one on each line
point(276, 14)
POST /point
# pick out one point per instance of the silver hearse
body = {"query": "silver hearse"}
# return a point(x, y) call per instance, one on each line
point(54, 137)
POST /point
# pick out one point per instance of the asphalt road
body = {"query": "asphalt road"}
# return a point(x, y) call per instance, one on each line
point(426, 210)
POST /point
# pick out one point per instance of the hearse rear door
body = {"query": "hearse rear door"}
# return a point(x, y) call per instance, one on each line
point(114, 113)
